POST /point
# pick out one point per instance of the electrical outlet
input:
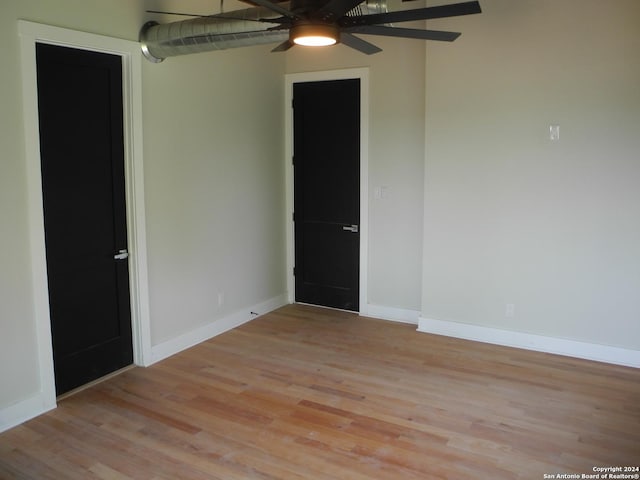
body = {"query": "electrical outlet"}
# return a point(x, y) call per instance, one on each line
point(220, 298)
point(554, 133)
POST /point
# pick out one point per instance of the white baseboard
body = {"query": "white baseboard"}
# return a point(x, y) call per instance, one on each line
point(527, 341)
point(27, 409)
point(391, 313)
point(40, 403)
point(189, 339)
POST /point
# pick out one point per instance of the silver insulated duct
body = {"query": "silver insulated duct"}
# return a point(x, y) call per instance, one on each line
point(239, 28)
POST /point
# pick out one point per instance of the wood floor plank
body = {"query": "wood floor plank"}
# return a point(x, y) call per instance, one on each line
point(311, 393)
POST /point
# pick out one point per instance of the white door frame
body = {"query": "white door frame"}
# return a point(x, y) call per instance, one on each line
point(30, 34)
point(353, 73)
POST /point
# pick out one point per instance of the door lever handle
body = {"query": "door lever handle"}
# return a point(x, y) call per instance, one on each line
point(121, 255)
point(350, 228)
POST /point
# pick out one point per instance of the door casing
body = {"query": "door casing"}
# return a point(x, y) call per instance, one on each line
point(290, 79)
point(30, 34)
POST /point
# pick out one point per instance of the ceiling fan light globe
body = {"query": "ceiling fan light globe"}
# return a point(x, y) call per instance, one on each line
point(310, 35)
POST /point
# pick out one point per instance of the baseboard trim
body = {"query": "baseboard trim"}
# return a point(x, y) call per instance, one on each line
point(393, 314)
point(528, 341)
point(40, 403)
point(175, 345)
point(20, 412)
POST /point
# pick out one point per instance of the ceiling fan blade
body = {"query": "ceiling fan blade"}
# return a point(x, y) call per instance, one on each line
point(406, 33)
point(284, 46)
point(336, 9)
point(428, 13)
point(358, 44)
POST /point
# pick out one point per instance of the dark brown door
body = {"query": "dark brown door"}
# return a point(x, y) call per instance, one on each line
point(326, 123)
point(82, 155)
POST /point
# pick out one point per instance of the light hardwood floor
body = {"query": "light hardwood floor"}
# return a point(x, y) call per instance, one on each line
point(308, 393)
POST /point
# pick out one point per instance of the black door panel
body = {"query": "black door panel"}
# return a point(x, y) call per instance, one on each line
point(82, 156)
point(327, 192)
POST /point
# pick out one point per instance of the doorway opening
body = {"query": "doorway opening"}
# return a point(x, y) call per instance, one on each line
point(356, 232)
point(32, 34)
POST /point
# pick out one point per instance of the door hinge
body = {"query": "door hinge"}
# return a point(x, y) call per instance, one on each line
point(293, 216)
point(294, 271)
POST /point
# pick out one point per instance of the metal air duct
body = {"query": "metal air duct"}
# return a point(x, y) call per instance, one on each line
point(204, 34)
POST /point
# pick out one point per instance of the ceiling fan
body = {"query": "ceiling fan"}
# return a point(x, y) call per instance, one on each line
point(298, 22)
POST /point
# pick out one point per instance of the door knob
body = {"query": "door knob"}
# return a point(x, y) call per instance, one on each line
point(121, 255)
point(350, 228)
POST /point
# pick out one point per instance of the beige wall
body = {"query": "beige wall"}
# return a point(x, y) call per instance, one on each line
point(214, 180)
point(512, 218)
point(508, 216)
